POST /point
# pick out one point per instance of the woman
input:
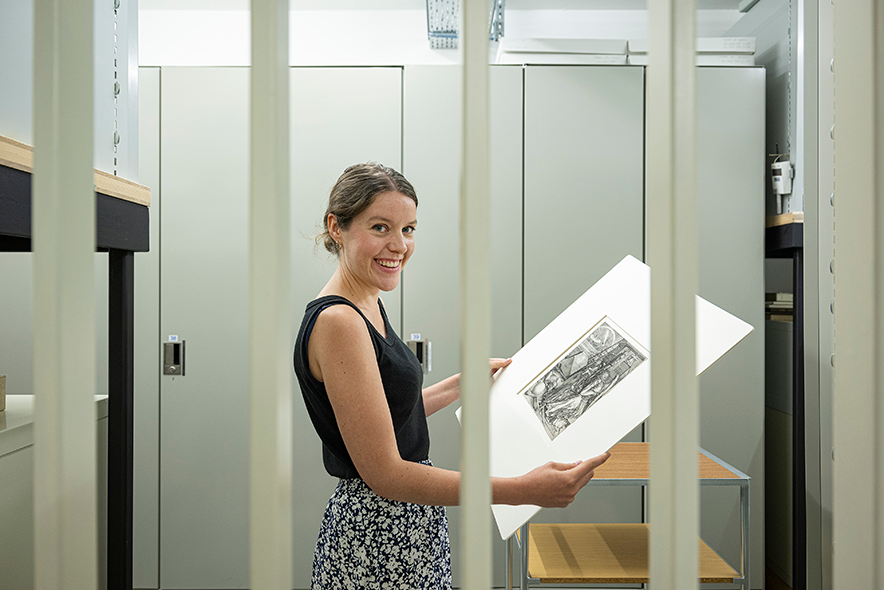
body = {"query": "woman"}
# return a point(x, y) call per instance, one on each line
point(385, 525)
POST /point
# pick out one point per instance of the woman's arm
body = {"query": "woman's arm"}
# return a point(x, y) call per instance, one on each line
point(442, 394)
point(342, 356)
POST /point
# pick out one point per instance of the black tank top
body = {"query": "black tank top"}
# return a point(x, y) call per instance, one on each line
point(402, 378)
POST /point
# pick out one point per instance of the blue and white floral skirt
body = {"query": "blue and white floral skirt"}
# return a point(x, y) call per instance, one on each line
point(367, 541)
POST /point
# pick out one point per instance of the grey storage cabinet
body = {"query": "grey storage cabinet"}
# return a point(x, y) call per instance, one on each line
point(340, 116)
point(731, 162)
point(204, 248)
point(431, 282)
point(577, 212)
point(584, 212)
point(146, 403)
point(568, 200)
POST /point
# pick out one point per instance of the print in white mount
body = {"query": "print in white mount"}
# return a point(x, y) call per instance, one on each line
point(519, 441)
point(602, 357)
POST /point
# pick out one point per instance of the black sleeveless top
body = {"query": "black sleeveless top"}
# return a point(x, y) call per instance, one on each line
point(402, 378)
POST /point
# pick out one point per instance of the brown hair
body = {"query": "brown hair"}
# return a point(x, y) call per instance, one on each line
point(355, 191)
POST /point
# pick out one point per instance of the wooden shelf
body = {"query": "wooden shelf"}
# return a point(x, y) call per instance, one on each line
point(20, 156)
point(605, 554)
point(784, 219)
point(121, 206)
point(618, 553)
point(631, 461)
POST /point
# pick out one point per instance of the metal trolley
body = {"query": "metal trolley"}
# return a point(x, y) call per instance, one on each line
point(617, 554)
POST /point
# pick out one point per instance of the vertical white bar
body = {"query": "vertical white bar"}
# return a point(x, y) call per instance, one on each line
point(65, 523)
point(858, 414)
point(673, 258)
point(475, 219)
point(270, 460)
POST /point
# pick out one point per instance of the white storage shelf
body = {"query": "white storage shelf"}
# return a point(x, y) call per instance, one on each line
point(17, 497)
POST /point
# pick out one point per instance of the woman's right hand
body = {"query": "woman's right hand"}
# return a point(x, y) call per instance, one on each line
point(555, 485)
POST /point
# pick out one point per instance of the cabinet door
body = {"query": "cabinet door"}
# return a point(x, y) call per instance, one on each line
point(584, 211)
point(339, 116)
point(204, 443)
point(145, 502)
point(431, 283)
point(730, 209)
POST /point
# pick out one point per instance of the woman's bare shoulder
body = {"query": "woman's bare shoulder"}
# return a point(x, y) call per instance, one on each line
point(341, 326)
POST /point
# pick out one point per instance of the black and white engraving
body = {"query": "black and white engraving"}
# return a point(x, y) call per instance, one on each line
point(587, 372)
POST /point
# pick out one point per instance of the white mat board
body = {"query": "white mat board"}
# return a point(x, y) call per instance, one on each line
point(519, 440)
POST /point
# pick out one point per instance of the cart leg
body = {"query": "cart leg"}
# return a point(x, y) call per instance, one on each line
point(509, 563)
point(744, 534)
point(523, 583)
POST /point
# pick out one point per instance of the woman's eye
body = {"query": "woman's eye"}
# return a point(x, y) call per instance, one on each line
point(408, 230)
point(379, 227)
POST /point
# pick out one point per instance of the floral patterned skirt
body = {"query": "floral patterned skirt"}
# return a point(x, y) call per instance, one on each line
point(367, 541)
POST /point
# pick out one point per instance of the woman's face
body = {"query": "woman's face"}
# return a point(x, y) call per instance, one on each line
point(379, 241)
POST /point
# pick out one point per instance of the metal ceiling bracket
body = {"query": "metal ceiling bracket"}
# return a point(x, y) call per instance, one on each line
point(442, 22)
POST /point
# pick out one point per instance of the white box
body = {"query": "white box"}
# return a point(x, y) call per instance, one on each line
point(594, 46)
point(702, 60)
point(560, 58)
point(740, 45)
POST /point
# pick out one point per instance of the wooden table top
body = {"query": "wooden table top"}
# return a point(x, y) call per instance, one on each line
point(20, 156)
point(632, 461)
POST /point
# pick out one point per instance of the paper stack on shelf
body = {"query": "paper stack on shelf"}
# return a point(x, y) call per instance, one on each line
point(562, 51)
point(711, 51)
point(779, 307)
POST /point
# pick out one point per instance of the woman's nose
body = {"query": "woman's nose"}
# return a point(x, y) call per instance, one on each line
point(398, 243)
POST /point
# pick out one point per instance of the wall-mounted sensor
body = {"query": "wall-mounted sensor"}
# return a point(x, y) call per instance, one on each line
point(423, 350)
point(781, 177)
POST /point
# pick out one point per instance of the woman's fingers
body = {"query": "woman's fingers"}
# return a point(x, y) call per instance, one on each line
point(497, 364)
point(589, 466)
point(572, 477)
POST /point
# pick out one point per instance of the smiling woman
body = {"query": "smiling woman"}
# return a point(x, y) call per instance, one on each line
point(370, 225)
point(385, 525)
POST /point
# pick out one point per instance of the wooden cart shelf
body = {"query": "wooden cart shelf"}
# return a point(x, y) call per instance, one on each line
point(605, 554)
point(618, 553)
point(632, 461)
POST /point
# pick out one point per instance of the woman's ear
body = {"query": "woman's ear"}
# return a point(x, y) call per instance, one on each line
point(334, 230)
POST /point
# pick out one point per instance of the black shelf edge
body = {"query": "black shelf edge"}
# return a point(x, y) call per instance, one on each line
point(781, 240)
point(119, 224)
